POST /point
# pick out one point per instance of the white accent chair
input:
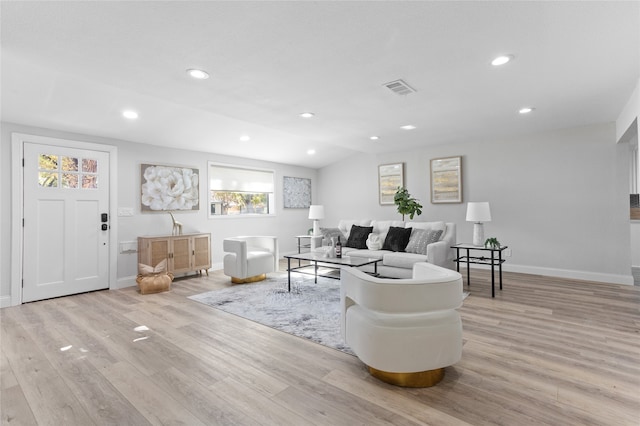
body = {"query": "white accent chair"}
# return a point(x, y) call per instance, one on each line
point(250, 258)
point(405, 330)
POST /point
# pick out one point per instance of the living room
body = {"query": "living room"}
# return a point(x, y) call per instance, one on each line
point(529, 205)
point(548, 185)
point(559, 193)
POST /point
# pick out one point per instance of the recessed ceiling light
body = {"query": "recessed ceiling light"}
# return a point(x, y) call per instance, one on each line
point(245, 138)
point(374, 138)
point(526, 110)
point(198, 74)
point(307, 115)
point(501, 60)
point(130, 114)
point(311, 151)
point(408, 127)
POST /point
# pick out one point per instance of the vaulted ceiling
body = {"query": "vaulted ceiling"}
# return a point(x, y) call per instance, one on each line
point(75, 66)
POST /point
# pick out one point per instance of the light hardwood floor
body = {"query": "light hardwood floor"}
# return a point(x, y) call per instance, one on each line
point(544, 351)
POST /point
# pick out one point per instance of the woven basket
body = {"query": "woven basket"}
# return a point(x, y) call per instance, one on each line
point(154, 283)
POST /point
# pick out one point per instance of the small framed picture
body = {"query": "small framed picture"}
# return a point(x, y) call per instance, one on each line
point(296, 192)
point(446, 180)
point(390, 178)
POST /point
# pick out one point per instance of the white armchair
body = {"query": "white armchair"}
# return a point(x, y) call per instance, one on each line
point(405, 330)
point(250, 258)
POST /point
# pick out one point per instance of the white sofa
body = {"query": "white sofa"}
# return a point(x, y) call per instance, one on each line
point(408, 330)
point(397, 264)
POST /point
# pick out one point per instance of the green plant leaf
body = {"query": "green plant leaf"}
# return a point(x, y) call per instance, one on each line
point(406, 204)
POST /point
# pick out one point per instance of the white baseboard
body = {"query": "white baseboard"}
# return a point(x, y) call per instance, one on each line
point(568, 273)
point(5, 301)
point(125, 282)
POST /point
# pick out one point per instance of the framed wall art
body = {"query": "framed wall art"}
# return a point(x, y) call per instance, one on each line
point(168, 188)
point(390, 178)
point(446, 180)
point(296, 192)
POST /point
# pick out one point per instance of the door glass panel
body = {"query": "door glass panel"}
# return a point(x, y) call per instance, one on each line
point(47, 162)
point(89, 182)
point(48, 179)
point(89, 166)
point(69, 180)
point(69, 164)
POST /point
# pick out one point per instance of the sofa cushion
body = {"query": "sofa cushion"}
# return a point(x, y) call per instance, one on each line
point(346, 251)
point(397, 239)
point(370, 254)
point(420, 239)
point(358, 236)
point(328, 233)
point(402, 260)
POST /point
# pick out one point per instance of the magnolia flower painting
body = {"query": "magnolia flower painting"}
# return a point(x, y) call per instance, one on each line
point(167, 188)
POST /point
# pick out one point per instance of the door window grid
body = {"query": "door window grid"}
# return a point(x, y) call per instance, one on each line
point(61, 171)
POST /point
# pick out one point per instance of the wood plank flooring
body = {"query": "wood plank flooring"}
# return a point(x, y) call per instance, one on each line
point(544, 351)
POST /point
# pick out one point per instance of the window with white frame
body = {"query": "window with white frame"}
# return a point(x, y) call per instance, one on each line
point(240, 191)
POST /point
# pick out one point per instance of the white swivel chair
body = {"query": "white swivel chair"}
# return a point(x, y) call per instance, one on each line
point(405, 330)
point(249, 259)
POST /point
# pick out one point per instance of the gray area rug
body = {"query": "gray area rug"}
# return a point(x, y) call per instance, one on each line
point(311, 311)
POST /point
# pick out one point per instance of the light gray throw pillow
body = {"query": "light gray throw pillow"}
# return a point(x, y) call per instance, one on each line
point(420, 239)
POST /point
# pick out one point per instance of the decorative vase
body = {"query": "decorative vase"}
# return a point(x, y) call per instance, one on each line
point(331, 252)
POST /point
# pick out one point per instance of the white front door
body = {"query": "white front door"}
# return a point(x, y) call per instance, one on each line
point(66, 222)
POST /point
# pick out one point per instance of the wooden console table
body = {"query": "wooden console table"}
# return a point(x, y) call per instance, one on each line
point(481, 260)
point(184, 253)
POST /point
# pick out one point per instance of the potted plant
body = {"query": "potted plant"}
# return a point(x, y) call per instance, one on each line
point(406, 203)
point(492, 243)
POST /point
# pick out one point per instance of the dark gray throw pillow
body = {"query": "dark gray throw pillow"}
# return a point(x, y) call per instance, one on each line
point(397, 239)
point(328, 233)
point(358, 236)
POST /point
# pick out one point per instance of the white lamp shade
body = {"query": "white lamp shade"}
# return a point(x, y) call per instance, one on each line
point(478, 212)
point(316, 212)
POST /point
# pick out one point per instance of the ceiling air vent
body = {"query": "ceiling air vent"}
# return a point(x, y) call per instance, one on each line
point(399, 87)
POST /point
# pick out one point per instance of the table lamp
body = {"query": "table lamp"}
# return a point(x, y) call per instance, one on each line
point(316, 213)
point(478, 213)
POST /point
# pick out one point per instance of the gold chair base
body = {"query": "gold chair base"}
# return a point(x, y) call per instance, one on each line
point(248, 280)
point(419, 379)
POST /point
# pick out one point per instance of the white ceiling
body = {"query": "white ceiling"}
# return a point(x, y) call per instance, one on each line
point(74, 66)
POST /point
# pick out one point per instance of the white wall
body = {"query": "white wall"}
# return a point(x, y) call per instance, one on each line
point(631, 112)
point(558, 199)
point(286, 224)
